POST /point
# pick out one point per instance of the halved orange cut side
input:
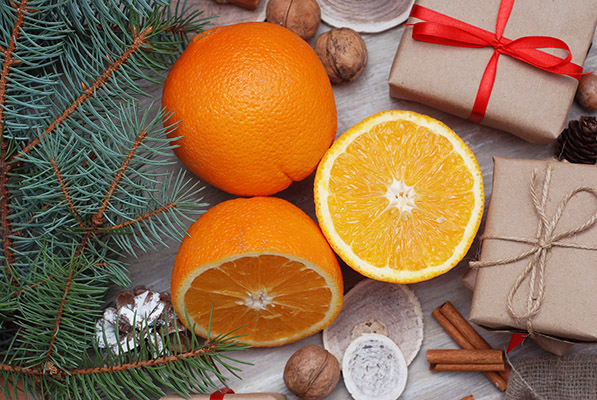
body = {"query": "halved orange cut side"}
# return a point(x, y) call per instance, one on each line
point(399, 197)
point(263, 265)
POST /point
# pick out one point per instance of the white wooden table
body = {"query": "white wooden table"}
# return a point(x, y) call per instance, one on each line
point(355, 101)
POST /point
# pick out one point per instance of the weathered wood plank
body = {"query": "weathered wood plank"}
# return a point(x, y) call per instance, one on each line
point(355, 101)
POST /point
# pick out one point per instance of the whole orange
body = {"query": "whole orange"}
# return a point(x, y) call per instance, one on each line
point(255, 106)
point(261, 265)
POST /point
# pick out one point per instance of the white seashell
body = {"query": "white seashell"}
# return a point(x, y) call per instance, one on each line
point(374, 368)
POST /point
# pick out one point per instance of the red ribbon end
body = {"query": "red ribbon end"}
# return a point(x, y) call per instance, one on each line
point(515, 340)
point(219, 395)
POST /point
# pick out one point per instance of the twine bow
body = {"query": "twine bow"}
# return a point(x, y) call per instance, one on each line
point(546, 239)
point(441, 29)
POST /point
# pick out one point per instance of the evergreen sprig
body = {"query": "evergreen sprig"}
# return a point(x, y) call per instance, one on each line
point(81, 185)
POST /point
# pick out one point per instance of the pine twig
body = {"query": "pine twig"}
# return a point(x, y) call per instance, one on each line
point(9, 61)
point(34, 216)
point(207, 350)
point(139, 41)
point(59, 316)
point(20, 292)
point(100, 214)
point(142, 217)
point(21, 370)
point(51, 342)
point(96, 222)
point(4, 210)
point(69, 200)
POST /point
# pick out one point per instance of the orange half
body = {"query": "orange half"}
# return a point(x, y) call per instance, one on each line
point(399, 197)
point(264, 266)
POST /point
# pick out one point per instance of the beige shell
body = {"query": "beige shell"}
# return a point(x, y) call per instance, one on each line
point(372, 306)
point(373, 367)
point(365, 16)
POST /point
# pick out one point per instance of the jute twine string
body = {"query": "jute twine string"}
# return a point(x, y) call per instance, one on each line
point(545, 240)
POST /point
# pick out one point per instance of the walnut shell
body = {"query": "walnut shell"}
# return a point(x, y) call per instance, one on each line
point(300, 16)
point(312, 373)
point(586, 94)
point(343, 54)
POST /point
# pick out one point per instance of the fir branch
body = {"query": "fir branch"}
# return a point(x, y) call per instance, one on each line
point(4, 210)
point(69, 282)
point(208, 350)
point(143, 217)
point(97, 221)
point(33, 217)
point(21, 370)
point(100, 213)
point(9, 61)
point(120, 376)
point(20, 292)
point(65, 191)
point(89, 144)
point(139, 41)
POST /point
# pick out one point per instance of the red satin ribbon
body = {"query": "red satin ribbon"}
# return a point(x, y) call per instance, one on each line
point(515, 340)
point(219, 395)
point(441, 29)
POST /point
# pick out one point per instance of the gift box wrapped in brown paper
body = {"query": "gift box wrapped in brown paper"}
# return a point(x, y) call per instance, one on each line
point(538, 264)
point(555, 346)
point(526, 101)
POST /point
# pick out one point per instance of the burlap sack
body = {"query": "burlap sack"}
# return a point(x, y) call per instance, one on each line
point(553, 378)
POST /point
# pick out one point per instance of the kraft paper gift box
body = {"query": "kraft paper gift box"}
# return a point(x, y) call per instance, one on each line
point(526, 101)
point(555, 346)
point(565, 294)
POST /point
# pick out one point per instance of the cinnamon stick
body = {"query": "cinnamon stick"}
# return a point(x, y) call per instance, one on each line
point(467, 367)
point(450, 356)
point(470, 334)
point(451, 329)
point(469, 397)
point(463, 326)
point(464, 334)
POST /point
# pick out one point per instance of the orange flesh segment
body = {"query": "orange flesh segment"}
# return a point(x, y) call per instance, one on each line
point(254, 288)
point(359, 180)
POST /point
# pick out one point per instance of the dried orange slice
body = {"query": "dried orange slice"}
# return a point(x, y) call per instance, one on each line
point(262, 264)
point(399, 197)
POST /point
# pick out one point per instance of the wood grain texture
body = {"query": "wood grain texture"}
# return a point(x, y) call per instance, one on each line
point(228, 13)
point(355, 101)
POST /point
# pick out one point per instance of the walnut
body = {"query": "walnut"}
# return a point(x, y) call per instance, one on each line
point(343, 54)
point(586, 94)
point(312, 373)
point(300, 16)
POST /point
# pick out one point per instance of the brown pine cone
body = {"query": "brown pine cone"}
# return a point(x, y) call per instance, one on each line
point(578, 143)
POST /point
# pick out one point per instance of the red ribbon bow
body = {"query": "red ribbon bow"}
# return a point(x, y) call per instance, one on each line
point(441, 29)
point(219, 395)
